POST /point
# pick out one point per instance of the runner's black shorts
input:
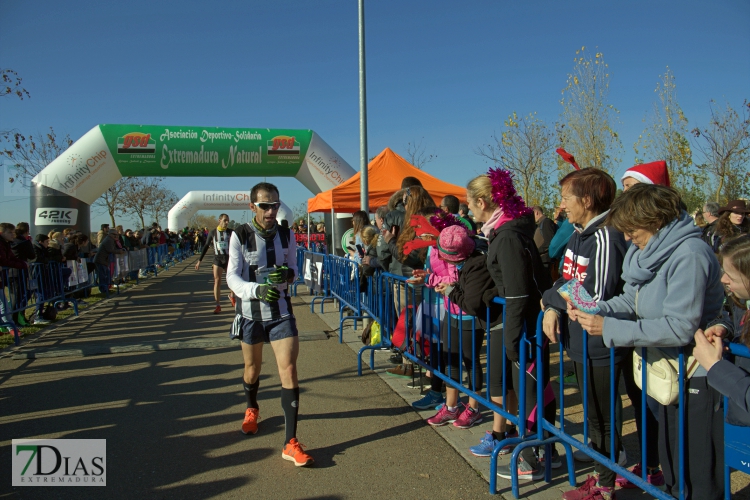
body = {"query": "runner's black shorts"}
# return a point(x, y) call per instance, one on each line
point(254, 332)
point(221, 263)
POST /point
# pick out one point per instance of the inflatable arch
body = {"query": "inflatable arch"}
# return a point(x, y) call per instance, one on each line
point(215, 200)
point(64, 190)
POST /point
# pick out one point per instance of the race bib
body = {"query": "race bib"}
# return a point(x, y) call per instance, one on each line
point(221, 246)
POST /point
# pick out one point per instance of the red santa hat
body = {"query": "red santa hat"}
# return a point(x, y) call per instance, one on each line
point(649, 173)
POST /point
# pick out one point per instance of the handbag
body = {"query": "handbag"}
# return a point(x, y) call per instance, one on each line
point(663, 382)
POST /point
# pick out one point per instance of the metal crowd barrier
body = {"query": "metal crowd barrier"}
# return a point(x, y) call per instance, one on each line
point(344, 286)
point(736, 437)
point(28, 288)
point(299, 279)
point(388, 295)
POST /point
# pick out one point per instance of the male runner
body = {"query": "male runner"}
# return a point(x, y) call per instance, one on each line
point(262, 263)
point(219, 237)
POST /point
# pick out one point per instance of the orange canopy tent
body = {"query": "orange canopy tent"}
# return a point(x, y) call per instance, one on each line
point(385, 173)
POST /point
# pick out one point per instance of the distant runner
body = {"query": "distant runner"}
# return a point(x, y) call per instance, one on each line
point(219, 238)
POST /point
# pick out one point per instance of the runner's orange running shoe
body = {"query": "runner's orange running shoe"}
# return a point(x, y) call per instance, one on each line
point(217, 310)
point(250, 424)
point(293, 452)
point(232, 300)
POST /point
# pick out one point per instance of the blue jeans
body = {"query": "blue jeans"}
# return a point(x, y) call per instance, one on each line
point(102, 273)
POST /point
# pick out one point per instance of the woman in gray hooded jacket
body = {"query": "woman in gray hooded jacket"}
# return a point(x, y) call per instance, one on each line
point(672, 288)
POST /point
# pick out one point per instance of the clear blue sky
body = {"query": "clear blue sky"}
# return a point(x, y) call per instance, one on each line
point(447, 72)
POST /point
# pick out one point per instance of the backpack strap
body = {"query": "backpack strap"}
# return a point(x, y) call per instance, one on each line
point(284, 235)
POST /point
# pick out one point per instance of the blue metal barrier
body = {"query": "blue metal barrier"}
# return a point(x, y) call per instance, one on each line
point(391, 290)
point(344, 283)
point(372, 304)
point(736, 438)
point(299, 279)
point(30, 288)
point(388, 294)
point(609, 461)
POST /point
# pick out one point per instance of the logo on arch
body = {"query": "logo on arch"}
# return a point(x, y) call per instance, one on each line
point(283, 145)
point(136, 143)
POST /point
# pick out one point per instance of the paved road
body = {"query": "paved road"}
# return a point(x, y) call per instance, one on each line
point(171, 418)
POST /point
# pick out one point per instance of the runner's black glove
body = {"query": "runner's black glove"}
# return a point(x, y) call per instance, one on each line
point(267, 293)
point(281, 275)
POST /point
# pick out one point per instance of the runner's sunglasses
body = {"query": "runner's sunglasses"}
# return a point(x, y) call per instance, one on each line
point(268, 206)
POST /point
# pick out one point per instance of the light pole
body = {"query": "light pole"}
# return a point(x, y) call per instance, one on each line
point(363, 181)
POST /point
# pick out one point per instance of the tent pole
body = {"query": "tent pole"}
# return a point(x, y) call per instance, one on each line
point(332, 250)
point(308, 231)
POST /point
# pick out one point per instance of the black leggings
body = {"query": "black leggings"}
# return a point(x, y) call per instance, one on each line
point(550, 408)
point(652, 424)
point(599, 417)
point(704, 440)
point(495, 365)
point(461, 335)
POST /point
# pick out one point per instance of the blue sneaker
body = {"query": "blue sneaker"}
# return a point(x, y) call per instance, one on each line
point(488, 443)
point(485, 446)
point(429, 400)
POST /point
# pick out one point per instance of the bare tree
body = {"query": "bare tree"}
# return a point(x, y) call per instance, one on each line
point(586, 129)
point(111, 202)
point(202, 220)
point(160, 202)
point(524, 147)
point(666, 138)
point(11, 84)
point(137, 198)
point(416, 154)
point(29, 155)
point(724, 147)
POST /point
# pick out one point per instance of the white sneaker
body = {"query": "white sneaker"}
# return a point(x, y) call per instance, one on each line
point(41, 321)
point(580, 456)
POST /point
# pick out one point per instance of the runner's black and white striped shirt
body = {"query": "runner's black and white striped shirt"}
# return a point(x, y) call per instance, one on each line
point(250, 258)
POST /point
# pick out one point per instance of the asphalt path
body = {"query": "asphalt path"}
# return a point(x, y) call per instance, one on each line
point(171, 415)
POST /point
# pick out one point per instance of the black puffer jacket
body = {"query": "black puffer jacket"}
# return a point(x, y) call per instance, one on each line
point(516, 268)
point(476, 289)
point(23, 249)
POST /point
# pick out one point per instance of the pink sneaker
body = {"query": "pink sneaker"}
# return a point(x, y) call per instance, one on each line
point(444, 416)
point(656, 478)
point(468, 418)
point(590, 490)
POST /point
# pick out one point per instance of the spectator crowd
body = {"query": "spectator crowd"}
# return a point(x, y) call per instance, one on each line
point(612, 271)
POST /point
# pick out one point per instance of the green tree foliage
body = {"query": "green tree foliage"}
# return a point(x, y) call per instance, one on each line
point(525, 147)
point(724, 149)
point(666, 138)
point(587, 127)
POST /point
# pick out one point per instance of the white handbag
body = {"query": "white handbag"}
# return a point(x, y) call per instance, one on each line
point(662, 381)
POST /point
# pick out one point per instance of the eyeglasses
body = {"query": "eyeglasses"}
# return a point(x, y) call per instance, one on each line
point(268, 206)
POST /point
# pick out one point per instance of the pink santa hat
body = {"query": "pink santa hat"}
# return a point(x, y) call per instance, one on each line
point(649, 173)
